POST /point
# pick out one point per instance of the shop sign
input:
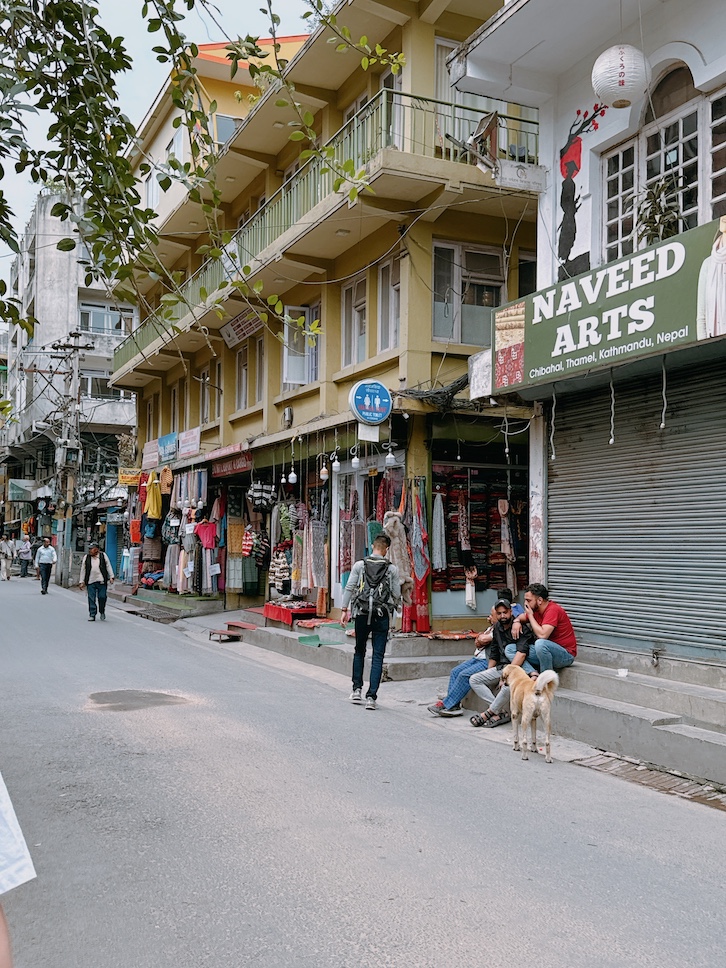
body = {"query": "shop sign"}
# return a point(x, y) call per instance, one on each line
point(150, 455)
point(189, 442)
point(167, 448)
point(659, 299)
point(370, 402)
point(232, 465)
point(227, 451)
point(245, 324)
point(130, 476)
point(115, 517)
point(20, 489)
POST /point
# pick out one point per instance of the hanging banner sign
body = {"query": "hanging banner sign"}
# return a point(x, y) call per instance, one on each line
point(167, 448)
point(370, 402)
point(150, 455)
point(20, 489)
point(130, 476)
point(662, 298)
point(189, 442)
point(232, 465)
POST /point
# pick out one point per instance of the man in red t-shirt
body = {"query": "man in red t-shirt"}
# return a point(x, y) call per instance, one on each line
point(555, 646)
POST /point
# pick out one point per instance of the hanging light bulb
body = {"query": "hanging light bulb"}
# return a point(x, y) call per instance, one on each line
point(355, 462)
point(324, 473)
point(390, 459)
point(292, 476)
point(283, 479)
point(336, 463)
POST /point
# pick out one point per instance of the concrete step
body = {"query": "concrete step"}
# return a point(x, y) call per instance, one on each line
point(398, 668)
point(705, 672)
point(697, 704)
point(655, 736)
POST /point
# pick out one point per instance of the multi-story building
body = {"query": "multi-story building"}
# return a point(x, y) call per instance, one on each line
point(404, 280)
point(620, 349)
point(63, 406)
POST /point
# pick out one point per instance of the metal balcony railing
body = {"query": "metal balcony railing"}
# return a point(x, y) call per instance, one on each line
point(391, 119)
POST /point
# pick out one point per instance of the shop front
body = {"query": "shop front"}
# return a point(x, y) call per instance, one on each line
point(634, 451)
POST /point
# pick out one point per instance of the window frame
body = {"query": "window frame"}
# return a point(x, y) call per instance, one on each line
point(242, 378)
point(152, 191)
point(205, 410)
point(120, 327)
point(309, 357)
point(175, 147)
point(355, 328)
point(459, 274)
point(259, 369)
point(386, 290)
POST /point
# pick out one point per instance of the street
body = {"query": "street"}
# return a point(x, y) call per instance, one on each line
point(253, 816)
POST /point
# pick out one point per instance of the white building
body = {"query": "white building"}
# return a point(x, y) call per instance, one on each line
point(621, 351)
point(56, 390)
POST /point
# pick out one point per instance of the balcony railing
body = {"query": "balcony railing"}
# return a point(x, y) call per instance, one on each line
point(402, 122)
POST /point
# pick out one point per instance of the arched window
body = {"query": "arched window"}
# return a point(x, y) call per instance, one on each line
point(681, 150)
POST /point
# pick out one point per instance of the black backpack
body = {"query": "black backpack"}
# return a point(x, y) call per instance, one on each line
point(373, 595)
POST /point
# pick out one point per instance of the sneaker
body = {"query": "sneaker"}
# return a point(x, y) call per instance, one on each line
point(370, 703)
point(435, 707)
point(91, 618)
point(102, 616)
point(438, 709)
point(355, 696)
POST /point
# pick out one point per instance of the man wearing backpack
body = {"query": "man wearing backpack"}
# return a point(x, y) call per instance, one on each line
point(372, 594)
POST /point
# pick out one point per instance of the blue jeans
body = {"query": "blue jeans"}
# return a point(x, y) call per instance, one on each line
point(378, 630)
point(543, 655)
point(459, 680)
point(45, 569)
point(24, 567)
point(96, 589)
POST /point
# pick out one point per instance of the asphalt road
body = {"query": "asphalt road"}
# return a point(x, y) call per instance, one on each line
point(261, 819)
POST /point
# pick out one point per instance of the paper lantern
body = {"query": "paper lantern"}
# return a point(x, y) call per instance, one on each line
point(621, 75)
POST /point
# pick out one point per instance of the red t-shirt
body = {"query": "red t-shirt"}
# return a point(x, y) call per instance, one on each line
point(562, 631)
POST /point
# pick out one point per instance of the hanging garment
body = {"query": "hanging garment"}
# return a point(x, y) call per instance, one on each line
point(152, 505)
point(319, 535)
point(166, 480)
point(464, 540)
point(207, 534)
point(438, 535)
point(418, 613)
point(399, 553)
point(298, 541)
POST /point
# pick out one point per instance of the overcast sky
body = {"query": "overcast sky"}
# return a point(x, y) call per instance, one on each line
point(139, 86)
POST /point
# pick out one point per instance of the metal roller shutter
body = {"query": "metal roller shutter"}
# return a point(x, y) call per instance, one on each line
point(637, 530)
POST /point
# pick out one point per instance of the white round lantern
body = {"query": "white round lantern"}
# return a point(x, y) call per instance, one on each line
point(621, 75)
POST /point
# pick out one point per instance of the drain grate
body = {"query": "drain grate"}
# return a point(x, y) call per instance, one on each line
point(670, 783)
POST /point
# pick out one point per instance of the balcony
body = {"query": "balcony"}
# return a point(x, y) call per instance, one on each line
point(415, 127)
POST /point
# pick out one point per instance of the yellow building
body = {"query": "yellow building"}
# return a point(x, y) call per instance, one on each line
point(403, 280)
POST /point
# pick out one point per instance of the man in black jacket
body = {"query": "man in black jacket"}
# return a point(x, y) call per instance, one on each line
point(482, 683)
point(96, 573)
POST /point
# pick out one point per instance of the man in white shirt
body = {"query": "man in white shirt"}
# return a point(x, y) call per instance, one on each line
point(7, 553)
point(96, 573)
point(45, 558)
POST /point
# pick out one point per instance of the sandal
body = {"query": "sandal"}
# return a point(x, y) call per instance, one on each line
point(500, 720)
point(479, 719)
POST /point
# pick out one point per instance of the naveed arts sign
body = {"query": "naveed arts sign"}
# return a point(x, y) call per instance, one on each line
point(660, 298)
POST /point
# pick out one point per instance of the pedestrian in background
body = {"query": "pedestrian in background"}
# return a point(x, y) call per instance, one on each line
point(16, 866)
point(25, 555)
point(7, 553)
point(45, 558)
point(96, 573)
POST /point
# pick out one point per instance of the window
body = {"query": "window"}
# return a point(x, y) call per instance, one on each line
point(527, 273)
point(226, 127)
point(151, 188)
point(683, 144)
point(106, 320)
point(174, 409)
point(468, 285)
point(216, 390)
point(242, 379)
point(175, 148)
point(259, 369)
point(355, 107)
point(389, 304)
point(182, 405)
point(244, 217)
point(150, 434)
point(354, 323)
point(299, 357)
point(95, 384)
point(204, 396)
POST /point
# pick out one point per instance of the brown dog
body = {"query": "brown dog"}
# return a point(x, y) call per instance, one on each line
point(529, 700)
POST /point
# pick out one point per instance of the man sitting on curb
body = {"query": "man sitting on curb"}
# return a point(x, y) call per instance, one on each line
point(461, 675)
point(555, 646)
point(482, 683)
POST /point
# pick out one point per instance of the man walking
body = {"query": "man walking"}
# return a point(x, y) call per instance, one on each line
point(96, 573)
point(373, 593)
point(45, 558)
point(555, 645)
point(7, 553)
point(25, 555)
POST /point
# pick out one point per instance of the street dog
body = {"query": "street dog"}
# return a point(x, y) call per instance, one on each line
point(530, 699)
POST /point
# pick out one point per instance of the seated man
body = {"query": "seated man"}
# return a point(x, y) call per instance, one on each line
point(482, 683)
point(555, 645)
point(460, 676)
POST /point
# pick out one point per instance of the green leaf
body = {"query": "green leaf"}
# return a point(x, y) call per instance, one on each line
point(66, 245)
point(364, 63)
point(297, 136)
point(281, 103)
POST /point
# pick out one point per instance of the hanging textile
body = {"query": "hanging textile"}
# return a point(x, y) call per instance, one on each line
point(296, 573)
point(438, 535)
point(418, 613)
point(319, 535)
point(152, 505)
point(464, 540)
point(373, 529)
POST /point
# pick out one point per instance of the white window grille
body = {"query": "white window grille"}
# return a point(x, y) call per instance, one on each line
point(354, 322)
point(242, 379)
point(299, 352)
point(389, 304)
point(468, 286)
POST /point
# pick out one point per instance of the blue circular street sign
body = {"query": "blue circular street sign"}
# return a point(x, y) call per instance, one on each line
point(370, 402)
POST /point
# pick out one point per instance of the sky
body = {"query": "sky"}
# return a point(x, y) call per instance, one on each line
point(138, 87)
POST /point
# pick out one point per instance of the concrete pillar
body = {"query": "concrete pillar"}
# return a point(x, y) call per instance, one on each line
point(538, 497)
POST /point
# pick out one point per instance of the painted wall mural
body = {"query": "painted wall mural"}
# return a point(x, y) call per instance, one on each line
point(570, 198)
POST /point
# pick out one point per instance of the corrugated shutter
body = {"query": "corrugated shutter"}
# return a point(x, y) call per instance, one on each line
point(637, 529)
